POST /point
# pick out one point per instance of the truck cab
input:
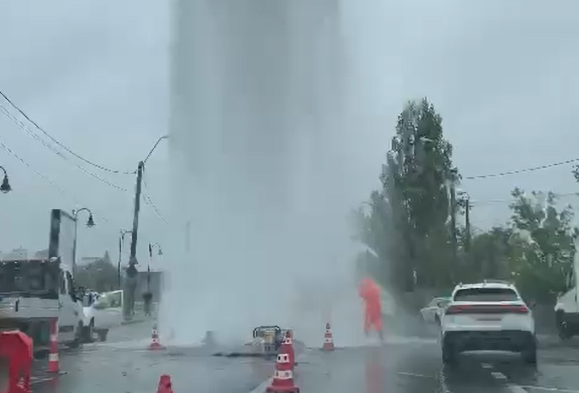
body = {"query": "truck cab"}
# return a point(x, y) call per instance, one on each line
point(34, 292)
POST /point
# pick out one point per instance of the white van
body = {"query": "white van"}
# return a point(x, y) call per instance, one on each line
point(106, 312)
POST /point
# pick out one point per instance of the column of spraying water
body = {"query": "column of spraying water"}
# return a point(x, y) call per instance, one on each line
point(250, 80)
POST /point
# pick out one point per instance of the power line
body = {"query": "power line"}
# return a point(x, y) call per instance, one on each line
point(56, 141)
point(25, 128)
point(518, 171)
point(149, 201)
point(512, 200)
point(45, 178)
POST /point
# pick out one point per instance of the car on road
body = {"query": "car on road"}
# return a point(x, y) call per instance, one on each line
point(433, 311)
point(489, 315)
point(106, 313)
point(567, 307)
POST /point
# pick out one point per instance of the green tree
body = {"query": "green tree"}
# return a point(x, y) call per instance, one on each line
point(41, 253)
point(371, 226)
point(407, 226)
point(99, 275)
point(488, 255)
point(424, 180)
point(544, 245)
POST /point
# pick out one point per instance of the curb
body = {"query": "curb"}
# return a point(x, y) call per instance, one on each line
point(132, 321)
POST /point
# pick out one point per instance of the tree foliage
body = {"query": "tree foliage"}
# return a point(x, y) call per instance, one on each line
point(99, 275)
point(414, 240)
point(545, 242)
point(407, 226)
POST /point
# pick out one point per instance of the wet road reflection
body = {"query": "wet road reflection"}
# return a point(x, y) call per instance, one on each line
point(400, 366)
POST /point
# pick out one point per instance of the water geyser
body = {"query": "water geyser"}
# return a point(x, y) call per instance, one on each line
point(259, 173)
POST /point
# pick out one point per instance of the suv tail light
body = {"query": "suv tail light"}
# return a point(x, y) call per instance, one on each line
point(487, 309)
point(520, 309)
point(453, 310)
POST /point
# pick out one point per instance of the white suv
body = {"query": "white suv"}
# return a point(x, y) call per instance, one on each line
point(487, 316)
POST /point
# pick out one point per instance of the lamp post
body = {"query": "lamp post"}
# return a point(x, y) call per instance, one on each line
point(148, 296)
point(123, 232)
point(90, 223)
point(5, 186)
point(159, 252)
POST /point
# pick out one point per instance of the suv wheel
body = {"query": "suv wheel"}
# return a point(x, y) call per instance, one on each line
point(529, 354)
point(448, 353)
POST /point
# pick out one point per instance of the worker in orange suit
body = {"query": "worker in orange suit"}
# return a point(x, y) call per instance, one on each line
point(369, 291)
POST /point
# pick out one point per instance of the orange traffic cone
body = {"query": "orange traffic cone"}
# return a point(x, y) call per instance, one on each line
point(328, 339)
point(22, 386)
point(165, 385)
point(155, 344)
point(19, 379)
point(283, 377)
point(287, 347)
point(53, 360)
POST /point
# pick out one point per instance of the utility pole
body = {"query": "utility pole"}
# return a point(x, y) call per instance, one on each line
point(131, 280)
point(453, 225)
point(467, 224)
point(121, 244)
point(134, 233)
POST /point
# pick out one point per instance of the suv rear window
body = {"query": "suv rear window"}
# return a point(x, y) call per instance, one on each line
point(485, 295)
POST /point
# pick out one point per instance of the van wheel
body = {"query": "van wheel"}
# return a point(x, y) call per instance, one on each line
point(563, 329)
point(88, 333)
point(78, 336)
point(449, 354)
point(103, 334)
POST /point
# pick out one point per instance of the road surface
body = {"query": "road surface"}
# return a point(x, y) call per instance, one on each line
point(409, 365)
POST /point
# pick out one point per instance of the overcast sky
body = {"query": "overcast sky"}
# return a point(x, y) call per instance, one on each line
point(95, 76)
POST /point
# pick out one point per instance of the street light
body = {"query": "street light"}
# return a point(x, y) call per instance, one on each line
point(5, 187)
point(159, 251)
point(122, 232)
point(90, 223)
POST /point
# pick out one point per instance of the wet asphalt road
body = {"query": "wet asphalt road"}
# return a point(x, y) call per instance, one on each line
point(401, 366)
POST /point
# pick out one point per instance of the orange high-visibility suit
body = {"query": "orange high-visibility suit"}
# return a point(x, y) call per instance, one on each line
point(369, 291)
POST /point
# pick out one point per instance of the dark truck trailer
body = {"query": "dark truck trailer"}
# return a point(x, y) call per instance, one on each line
point(29, 297)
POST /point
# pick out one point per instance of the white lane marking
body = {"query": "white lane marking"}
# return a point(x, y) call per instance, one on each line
point(502, 377)
point(415, 375)
point(547, 389)
point(35, 380)
point(262, 386)
point(516, 389)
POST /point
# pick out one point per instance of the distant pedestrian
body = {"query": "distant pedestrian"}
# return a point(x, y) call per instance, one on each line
point(147, 300)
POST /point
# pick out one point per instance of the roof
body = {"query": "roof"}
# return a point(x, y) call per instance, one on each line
point(23, 260)
point(486, 284)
